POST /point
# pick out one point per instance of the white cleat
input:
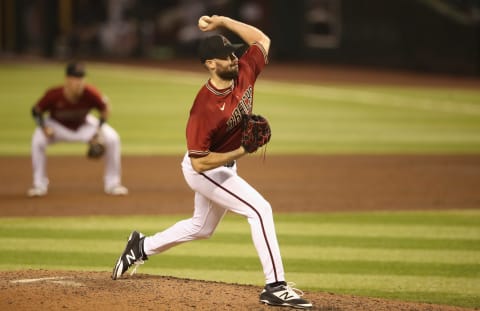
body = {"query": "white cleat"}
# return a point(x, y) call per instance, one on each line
point(285, 296)
point(116, 190)
point(132, 255)
point(37, 192)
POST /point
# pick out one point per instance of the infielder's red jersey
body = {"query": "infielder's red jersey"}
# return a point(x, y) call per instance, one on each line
point(71, 115)
point(215, 117)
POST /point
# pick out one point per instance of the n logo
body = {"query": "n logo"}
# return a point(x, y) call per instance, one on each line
point(130, 257)
point(285, 296)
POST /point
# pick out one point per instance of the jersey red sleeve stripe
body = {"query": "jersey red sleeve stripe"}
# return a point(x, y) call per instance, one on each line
point(197, 153)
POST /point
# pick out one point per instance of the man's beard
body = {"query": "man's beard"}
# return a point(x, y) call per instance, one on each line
point(228, 75)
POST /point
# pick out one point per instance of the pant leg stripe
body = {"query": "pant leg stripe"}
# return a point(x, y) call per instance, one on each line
point(258, 214)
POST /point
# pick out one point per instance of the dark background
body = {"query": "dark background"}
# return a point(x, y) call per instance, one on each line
point(438, 36)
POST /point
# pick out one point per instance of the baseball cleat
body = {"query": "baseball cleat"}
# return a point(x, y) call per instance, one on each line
point(37, 192)
point(132, 255)
point(284, 295)
point(116, 190)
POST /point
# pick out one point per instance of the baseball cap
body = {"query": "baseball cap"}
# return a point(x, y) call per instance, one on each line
point(75, 69)
point(216, 46)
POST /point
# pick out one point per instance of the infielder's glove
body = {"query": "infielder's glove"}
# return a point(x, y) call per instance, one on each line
point(96, 148)
point(256, 132)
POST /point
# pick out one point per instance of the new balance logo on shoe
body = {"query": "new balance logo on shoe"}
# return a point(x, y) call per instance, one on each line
point(130, 257)
point(285, 296)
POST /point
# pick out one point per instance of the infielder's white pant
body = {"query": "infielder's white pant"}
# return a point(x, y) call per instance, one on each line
point(112, 174)
point(217, 191)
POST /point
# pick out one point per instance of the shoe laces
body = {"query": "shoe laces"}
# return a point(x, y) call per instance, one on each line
point(137, 263)
point(292, 290)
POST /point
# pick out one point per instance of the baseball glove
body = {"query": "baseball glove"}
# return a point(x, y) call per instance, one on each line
point(96, 148)
point(256, 132)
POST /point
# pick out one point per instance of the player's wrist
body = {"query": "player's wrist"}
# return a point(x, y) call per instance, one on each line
point(224, 21)
point(242, 149)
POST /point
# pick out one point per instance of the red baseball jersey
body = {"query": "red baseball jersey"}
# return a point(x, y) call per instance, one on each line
point(215, 118)
point(71, 115)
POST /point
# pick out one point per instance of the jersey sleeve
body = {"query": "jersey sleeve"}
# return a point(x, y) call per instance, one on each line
point(45, 102)
point(97, 100)
point(200, 126)
point(198, 135)
point(255, 58)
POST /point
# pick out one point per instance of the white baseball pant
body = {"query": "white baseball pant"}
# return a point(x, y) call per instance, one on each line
point(217, 191)
point(112, 173)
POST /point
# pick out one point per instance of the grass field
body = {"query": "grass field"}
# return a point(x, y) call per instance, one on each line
point(419, 256)
point(150, 110)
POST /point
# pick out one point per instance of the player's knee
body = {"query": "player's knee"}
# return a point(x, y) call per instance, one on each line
point(264, 207)
point(201, 232)
point(39, 141)
point(111, 138)
point(203, 235)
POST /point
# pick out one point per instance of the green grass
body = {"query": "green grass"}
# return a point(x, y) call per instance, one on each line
point(150, 110)
point(417, 256)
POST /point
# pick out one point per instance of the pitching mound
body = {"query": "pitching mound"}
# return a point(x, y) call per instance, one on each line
point(66, 290)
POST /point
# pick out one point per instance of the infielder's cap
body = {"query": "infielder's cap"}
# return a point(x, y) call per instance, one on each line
point(216, 46)
point(75, 69)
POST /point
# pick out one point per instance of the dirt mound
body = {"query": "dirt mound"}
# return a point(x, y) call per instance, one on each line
point(67, 290)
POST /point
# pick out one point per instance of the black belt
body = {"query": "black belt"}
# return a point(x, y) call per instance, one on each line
point(230, 164)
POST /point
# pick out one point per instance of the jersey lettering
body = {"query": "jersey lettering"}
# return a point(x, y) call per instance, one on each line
point(244, 106)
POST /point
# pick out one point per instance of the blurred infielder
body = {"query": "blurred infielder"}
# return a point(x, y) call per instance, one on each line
point(69, 120)
point(216, 138)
